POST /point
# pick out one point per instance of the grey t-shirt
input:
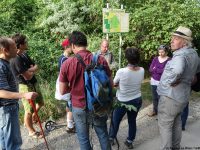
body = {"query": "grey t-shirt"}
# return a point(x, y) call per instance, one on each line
point(129, 83)
point(109, 58)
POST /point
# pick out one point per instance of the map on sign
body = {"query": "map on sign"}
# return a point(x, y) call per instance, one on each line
point(115, 20)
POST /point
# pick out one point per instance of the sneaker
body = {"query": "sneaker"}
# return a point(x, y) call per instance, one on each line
point(151, 114)
point(128, 144)
point(71, 130)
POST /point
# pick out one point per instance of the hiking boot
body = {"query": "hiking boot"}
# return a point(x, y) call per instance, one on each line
point(128, 144)
point(71, 130)
point(151, 114)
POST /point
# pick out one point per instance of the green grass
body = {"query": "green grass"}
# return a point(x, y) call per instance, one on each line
point(146, 93)
point(53, 108)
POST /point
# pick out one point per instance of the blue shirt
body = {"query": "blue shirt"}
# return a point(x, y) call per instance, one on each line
point(61, 60)
point(7, 81)
point(179, 71)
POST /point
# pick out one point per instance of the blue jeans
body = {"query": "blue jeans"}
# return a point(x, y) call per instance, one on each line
point(9, 128)
point(155, 97)
point(184, 116)
point(82, 122)
point(118, 115)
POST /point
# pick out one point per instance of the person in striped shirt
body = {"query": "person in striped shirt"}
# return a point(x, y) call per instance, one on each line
point(10, 136)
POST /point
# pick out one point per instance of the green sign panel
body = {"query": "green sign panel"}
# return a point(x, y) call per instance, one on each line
point(115, 20)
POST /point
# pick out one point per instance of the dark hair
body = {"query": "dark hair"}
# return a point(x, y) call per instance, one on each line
point(19, 39)
point(132, 55)
point(164, 47)
point(78, 38)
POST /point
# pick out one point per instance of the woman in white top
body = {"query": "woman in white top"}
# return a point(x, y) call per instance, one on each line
point(128, 81)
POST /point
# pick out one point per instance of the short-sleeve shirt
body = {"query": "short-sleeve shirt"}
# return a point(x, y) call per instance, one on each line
point(129, 83)
point(61, 60)
point(72, 72)
point(19, 65)
point(7, 81)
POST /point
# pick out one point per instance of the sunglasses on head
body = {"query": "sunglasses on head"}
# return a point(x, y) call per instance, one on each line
point(164, 47)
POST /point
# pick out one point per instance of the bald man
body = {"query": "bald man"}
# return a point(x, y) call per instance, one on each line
point(104, 51)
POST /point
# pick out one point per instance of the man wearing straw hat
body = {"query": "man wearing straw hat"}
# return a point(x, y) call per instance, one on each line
point(175, 86)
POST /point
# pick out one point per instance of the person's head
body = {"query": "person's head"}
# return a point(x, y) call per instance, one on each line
point(78, 41)
point(104, 46)
point(8, 48)
point(180, 38)
point(132, 55)
point(66, 46)
point(163, 50)
point(21, 42)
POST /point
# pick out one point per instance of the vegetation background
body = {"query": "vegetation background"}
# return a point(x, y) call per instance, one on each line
point(47, 22)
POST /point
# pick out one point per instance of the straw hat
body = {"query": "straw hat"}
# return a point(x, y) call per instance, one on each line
point(183, 32)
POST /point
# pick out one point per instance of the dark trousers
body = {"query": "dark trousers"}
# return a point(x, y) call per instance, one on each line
point(184, 116)
point(118, 115)
point(155, 97)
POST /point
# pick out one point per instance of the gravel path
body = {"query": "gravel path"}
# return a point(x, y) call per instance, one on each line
point(59, 139)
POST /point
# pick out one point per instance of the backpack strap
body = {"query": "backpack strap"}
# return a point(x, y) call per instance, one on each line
point(95, 59)
point(80, 59)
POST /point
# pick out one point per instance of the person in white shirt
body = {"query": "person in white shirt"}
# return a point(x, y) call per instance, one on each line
point(128, 81)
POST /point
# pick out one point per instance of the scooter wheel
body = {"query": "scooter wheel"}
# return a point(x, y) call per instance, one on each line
point(50, 125)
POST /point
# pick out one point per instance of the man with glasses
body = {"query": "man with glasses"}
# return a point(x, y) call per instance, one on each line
point(24, 70)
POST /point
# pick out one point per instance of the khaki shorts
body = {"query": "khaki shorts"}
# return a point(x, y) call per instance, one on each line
point(23, 88)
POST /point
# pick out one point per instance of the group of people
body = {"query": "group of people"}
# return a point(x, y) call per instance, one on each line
point(17, 82)
point(171, 85)
point(156, 69)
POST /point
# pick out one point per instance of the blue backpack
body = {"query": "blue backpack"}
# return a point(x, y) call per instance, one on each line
point(98, 88)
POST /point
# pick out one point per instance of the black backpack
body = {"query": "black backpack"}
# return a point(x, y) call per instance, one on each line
point(196, 87)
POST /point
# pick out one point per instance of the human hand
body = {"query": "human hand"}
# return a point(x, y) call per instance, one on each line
point(176, 83)
point(33, 68)
point(30, 95)
point(194, 80)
